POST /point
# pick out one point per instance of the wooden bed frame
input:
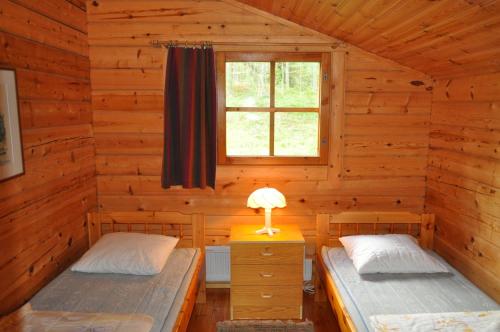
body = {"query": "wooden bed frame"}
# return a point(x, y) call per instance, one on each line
point(189, 228)
point(329, 227)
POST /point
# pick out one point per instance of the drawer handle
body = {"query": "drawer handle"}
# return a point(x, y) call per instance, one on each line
point(266, 275)
point(266, 296)
point(266, 253)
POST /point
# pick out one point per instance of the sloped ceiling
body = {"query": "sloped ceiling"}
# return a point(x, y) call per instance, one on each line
point(443, 38)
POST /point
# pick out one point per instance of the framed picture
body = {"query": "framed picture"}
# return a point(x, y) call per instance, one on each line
point(11, 150)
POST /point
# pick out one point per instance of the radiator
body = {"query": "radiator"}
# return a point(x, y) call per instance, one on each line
point(218, 264)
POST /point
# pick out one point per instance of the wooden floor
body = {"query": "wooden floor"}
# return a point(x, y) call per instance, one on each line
point(216, 309)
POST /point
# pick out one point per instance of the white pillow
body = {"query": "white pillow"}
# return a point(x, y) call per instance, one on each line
point(391, 253)
point(127, 253)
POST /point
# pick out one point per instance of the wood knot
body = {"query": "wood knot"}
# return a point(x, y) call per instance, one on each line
point(227, 185)
point(417, 83)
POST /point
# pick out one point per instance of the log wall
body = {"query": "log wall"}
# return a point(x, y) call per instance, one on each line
point(42, 213)
point(463, 187)
point(380, 132)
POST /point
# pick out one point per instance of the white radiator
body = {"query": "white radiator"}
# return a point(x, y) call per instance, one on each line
point(308, 269)
point(218, 264)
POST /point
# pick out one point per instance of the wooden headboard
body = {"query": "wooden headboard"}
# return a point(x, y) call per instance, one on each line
point(329, 227)
point(189, 228)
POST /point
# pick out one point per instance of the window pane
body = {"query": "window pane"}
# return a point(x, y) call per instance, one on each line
point(247, 84)
point(297, 84)
point(296, 134)
point(247, 133)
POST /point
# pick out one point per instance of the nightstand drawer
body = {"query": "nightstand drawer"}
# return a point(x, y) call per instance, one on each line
point(274, 312)
point(257, 274)
point(266, 295)
point(267, 253)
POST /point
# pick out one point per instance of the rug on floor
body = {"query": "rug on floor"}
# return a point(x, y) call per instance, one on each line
point(264, 326)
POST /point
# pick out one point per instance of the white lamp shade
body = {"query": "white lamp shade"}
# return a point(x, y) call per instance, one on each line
point(267, 198)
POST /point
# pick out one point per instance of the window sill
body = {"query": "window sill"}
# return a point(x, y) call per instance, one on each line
point(273, 161)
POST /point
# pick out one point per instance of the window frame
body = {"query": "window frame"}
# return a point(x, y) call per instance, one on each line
point(324, 58)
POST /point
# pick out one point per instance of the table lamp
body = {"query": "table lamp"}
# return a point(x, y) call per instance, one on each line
point(267, 198)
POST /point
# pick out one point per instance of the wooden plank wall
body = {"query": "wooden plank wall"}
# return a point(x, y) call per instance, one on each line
point(42, 213)
point(387, 110)
point(463, 187)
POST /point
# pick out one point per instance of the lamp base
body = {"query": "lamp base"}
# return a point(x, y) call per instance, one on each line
point(268, 230)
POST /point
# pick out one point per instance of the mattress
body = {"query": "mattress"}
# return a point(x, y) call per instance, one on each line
point(160, 296)
point(380, 294)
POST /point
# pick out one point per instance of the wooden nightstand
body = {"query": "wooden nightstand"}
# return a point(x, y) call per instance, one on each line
point(266, 273)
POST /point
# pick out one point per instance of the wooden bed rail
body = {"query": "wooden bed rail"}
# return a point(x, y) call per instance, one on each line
point(330, 227)
point(189, 228)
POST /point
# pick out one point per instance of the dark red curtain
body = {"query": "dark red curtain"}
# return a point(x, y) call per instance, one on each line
point(189, 157)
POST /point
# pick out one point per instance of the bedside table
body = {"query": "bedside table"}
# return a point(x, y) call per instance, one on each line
point(266, 273)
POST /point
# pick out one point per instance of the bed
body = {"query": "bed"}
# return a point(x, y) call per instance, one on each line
point(355, 298)
point(168, 297)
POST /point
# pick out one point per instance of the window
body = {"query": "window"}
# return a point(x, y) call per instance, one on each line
point(273, 108)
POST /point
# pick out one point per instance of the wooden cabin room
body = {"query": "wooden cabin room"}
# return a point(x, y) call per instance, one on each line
point(249, 165)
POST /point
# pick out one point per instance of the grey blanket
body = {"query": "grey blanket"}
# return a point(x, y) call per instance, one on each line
point(159, 296)
point(409, 293)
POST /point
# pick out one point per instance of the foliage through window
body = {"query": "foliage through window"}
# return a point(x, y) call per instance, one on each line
point(273, 108)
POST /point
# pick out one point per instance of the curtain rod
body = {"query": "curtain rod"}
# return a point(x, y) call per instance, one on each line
point(172, 43)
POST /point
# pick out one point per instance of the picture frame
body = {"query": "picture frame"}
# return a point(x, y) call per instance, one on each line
point(11, 149)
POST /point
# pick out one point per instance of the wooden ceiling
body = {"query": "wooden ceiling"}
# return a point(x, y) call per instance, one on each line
point(443, 38)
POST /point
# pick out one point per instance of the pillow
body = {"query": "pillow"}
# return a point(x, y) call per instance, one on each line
point(127, 253)
point(391, 253)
